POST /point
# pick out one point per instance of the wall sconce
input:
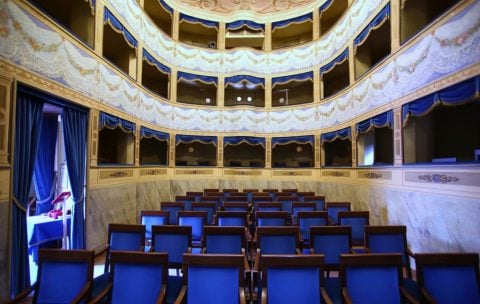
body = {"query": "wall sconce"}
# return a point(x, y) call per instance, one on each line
point(190, 149)
point(299, 149)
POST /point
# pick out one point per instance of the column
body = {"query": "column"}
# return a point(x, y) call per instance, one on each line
point(171, 152)
point(267, 44)
point(354, 146)
point(221, 91)
point(268, 152)
point(93, 122)
point(137, 145)
point(316, 24)
point(5, 101)
point(221, 36)
point(351, 63)
point(220, 152)
point(173, 85)
point(99, 27)
point(397, 137)
point(316, 85)
point(175, 25)
point(139, 68)
point(268, 92)
point(395, 25)
point(316, 155)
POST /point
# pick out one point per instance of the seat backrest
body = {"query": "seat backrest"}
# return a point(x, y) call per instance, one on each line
point(287, 202)
point(224, 240)
point(138, 277)
point(209, 207)
point(271, 218)
point(449, 277)
point(195, 219)
point(235, 206)
point(187, 200)
point(319, 200)
point(307, 219)
point(298, 206)
point(151, 218)
point(174, 208)
point(63, 274)
point(195, 194)
point(372, 278)
point(236, 197)
point(388, 239)
point(174, 240)
point(277, 240)
point(357, 220)
point(231, 218)
point(334, 208)
point(264, 197)
point(302, 194)
point(292, 278)
point(331, 241)
point(218, 200)
point(268, 206)
point(124, 237)
point(213, 278)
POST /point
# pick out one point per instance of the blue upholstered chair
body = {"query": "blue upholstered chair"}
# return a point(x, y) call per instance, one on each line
point(268, 206)
point(186, 200)
point(195, 219)
point(224, 240)
point(231, 218)
point(236, 197)
point(153, 218)
point(302, 194)
point(212, 279)
point(262, 197)
point(331, 241)
point(217, 199)
point(448, 277)
point(373, 278)
point(209, 207)
point(277, 240)
point(124, 237)
point(271, 218)
point(64, 276)
point(307, 219)
point(173, 208)
point(293, 279)
point(249, 193)
point(174, 240)
point(236, 206)
point(137, 277)
point(334, 207)
point(287, 202)
point(319, 200)
point(299, 207)
point(357, 220)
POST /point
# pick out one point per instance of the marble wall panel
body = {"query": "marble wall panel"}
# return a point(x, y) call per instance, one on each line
point(4, 252)
point(151, 194)
point(180, 187)
point(113, 204)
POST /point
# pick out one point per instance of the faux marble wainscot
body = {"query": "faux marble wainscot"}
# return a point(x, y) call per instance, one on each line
point(4, 252)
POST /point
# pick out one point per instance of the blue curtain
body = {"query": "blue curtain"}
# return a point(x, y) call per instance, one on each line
point(150, 59)
point(235, 25)
point(149, 133)
point(338, 60)
point(187, 139)
point(112, 122)
point(342, 134)
point(285, 23)
point(109, 18)
point(244, 78)
point(459, 93)
point(44, 172)
point(379, 121)
point(75, 139)
point(325, 5)
point(376, 22)
point(306, 139)
point(27, 136)
point(166, 7)
point(236, 140)
point(206, 23)
point(290, 78)
point(195, 77)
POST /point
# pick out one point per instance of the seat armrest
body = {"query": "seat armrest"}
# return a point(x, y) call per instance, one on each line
point(102, 294)
point(264, 296)
point(181, 296)
point(26, 292)
point(241, 294)
point(256, 265)
point(84, 293)
point(162, 296)
point(325, 296)
point(427, 296)
point(346, 296)
point(408, 296)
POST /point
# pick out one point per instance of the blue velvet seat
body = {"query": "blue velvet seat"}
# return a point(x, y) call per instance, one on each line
point(195, 219)
point(174, 240)
point(236, 206)
point(293, 279)
point(209, 207)
point(231, 218)
point(334, 207)
point(319, 200)
point(212, 279)
point(271, 218)
point(137, 277)
point(186, 200)
point(173, 208)
point(236, 197)
point(448, 277)
point(268, 206)
point(64, 276)
point(307, 219)
point(299, 207)
point(124, 237)
point(357, 220)
point(150, 218)
point(287, 202)
point(373, 278)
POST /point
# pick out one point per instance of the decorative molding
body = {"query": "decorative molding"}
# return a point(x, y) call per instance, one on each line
point(383, 175)
point(242, 172)
point(292, 173)
point(105, 174)
point(146, 172)
point(193, 172)
point(336, 173)
point(454, 178)
point(438, 178)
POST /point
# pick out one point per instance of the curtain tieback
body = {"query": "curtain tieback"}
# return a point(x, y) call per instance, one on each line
point(19, 204)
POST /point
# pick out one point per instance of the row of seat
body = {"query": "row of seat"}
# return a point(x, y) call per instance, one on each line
point(65, 276)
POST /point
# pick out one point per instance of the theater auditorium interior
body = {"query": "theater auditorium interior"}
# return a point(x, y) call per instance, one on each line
point(239, 151)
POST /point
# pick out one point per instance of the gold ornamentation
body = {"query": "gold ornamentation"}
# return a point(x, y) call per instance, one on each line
point(373, 175)
point(438, 178)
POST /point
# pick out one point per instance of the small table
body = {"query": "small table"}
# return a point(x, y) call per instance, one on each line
point(41, 229)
